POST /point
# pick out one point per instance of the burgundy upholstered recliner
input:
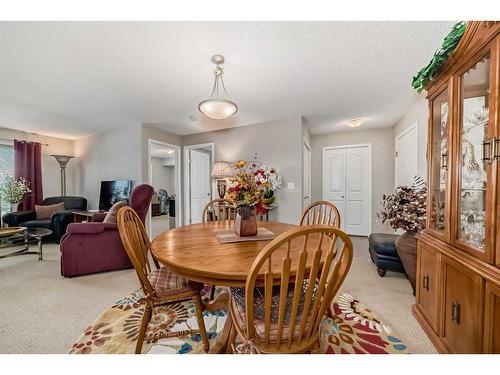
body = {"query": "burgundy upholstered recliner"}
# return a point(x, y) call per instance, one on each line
point(96, 247)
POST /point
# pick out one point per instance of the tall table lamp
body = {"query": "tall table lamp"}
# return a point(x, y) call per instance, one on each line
point(63, 160)
point(222, 170)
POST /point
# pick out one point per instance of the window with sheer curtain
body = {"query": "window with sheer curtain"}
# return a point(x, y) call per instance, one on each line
point(6, 167)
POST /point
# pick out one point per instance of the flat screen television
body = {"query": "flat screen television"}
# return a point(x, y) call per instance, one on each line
point(114, 191)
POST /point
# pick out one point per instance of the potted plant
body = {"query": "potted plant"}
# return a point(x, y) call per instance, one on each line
point(13, 190)
point(246, 193)
point(406, 209)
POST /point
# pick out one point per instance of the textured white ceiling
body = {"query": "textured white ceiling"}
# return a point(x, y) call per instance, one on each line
point(73, 79)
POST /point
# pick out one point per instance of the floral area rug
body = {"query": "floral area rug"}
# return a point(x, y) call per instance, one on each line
point(354, 329)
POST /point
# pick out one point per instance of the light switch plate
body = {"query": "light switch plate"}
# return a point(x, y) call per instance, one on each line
point(291, 185)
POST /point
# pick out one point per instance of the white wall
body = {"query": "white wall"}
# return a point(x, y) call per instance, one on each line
point(51, 175)
point(382, 141)
point(277, 143)
point(419, 114)
point(111, 155)
point(163, 177)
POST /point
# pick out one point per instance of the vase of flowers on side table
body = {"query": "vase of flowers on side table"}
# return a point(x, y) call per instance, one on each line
point(406, 209)
point(271, 181)
point(245, 193)
point(12, 191)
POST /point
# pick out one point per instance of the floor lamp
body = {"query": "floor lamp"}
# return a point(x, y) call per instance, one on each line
point(63, 160)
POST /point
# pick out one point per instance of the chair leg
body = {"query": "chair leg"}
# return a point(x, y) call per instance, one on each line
point(144, 325)
point(231, 341)
point(201, 323)
point(329, 311)
point(212, 292)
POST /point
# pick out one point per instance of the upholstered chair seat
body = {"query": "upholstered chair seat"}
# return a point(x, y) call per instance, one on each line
point(259, 323)
point(166, 282)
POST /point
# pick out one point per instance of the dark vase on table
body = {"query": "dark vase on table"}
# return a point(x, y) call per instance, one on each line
point(245, 224)
point(406, 246)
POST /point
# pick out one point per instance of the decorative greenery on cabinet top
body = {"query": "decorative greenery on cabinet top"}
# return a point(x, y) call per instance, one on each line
point(427, 74)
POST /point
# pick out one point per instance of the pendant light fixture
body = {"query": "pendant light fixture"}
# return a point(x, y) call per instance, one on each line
point(216, 107)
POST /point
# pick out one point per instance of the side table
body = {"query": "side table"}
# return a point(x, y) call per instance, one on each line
point(84, 216)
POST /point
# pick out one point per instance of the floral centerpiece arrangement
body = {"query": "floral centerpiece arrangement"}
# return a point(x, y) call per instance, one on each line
point(250, 185)
point(13, 190)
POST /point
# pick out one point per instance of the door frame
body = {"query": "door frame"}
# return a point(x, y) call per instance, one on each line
point(178, 191)
point(370, 166)
point(308, 146)
point(187, 205)
point(404, 132)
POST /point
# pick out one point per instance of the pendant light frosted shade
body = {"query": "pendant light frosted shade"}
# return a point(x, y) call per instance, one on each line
point(218, 109)
point(215, 107)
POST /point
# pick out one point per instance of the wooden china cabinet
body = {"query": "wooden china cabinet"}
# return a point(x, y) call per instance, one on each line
point(458, 266)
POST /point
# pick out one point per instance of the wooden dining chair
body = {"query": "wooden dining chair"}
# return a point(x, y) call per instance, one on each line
point(321, 212)
point(219, 210)
point(287, 296)
point(160, 285)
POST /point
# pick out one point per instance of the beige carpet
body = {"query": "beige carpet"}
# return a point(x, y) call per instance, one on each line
point(160, 224)
point(42, 312)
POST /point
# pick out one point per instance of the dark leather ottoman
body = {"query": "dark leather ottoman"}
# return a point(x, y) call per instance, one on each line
point(383, 253)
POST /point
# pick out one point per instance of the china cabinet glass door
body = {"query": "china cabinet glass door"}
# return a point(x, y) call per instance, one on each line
point(473, 170)
point(438, 163)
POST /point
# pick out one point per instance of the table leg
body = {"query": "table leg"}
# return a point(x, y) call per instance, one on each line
point(220, 302)
point(223, 345)
point(40, 251)
point(24, 250)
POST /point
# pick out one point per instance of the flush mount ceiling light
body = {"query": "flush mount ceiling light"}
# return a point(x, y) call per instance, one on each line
point(354, 123)
point(216, 107)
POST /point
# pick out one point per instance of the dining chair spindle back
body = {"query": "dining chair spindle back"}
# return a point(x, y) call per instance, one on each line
point(282, 310)
point(219, 210)
point(160, 285)
point(321, 212)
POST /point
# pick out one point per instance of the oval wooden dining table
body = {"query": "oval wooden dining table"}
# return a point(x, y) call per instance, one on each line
point(194, 252)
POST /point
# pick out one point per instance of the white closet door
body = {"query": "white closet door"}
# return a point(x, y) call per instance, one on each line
point(334, 179)
point(347, 184)
point(357, 195)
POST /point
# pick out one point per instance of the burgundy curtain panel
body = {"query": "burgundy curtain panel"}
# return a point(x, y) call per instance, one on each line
point(28, 164)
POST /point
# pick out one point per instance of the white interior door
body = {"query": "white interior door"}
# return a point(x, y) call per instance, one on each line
point(406, 156)
point(347, 184)
point(307, 175)
point(357, 197)
point(334, 180)
point(199, 178)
